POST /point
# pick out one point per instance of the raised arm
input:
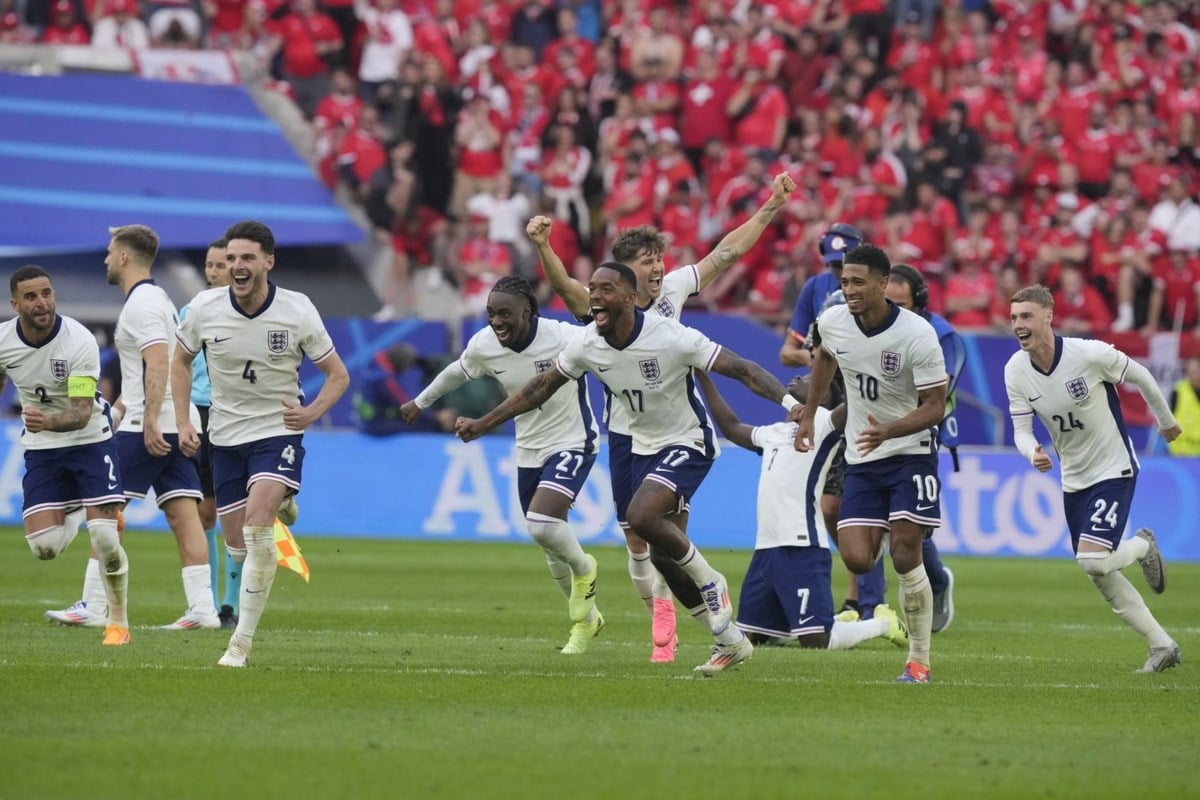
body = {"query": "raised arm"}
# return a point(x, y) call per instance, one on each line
point(532, 395)
point(738, 242)
point(726, 418)
point(573, 293)
point(449, 379)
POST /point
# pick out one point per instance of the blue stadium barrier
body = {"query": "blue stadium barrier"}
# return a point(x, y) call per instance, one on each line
point(429, 486)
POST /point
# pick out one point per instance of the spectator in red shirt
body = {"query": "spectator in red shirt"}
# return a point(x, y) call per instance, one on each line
point(66, 28)
point(225, 19)
point(569, 39)
point(703, 106)
point(760, 113)
point(804, 69)
point(1060, 244)
point(655, 96)
point(481, 262)
point(479, 135)
point(1178, 281)
point(310, 40)
point(631, 201)
point(1073, 106)
point(1094, 153)
point(564, 168)
point(1008, 283)
point(342, 106)
point(1078, 308)
point(969, 293)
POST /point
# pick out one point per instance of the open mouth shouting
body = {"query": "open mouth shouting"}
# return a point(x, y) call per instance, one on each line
point(654, 282)
point(503, 333)
point(601, 316)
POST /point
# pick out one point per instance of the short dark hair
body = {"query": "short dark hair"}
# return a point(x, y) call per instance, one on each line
point(873, 258)
point(908, 274)
point(628, 276)
point(26, 273)
point(255, 232)
point(219, 244)
point(141, 240)
point(630, 243)
point(520, 286)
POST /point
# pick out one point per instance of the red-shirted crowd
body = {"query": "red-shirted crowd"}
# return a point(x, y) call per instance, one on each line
point(990, 144)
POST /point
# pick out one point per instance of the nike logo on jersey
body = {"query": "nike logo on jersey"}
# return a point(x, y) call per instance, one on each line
point(843, 352)
point(605, 369)
point(218, 340)
point(1033, 399)
point(805, 619)
point(924, 507)
point(501, 371)
point(282, 468)
point(112, 486)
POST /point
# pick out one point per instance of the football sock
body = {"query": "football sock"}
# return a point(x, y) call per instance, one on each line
point(932, 559)
point(642, 572)
point(48, 542)
point(560, 572)
point(661, 590)
point(197, 588)
point(1097, 564)
point(235, 558)
point(259, 575)
point(93, 587)
point(115, 567)
point(1128, 604)
point(917, 600)
point(696, 567)
point(844, 635)
point(731, 635)
point(555, 536)
point(214, 561)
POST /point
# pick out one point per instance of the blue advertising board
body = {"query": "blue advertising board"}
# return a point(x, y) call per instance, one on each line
point(434, 487)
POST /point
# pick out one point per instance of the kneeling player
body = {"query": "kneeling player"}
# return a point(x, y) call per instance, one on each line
point(786, 594)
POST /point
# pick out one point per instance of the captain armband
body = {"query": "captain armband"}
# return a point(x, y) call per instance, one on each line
point(81, 386)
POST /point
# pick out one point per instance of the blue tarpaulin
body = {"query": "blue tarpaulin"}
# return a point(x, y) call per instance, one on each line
point(80, 153)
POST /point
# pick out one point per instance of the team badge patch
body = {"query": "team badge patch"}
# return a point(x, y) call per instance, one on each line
point(543, 366)
point(650, 369)
point(889, 362)
point(1077, 388)
point(665, 307)
point(277, 341)
point(58, 368)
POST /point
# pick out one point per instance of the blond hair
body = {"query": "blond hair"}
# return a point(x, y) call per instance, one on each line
point(1035, 294)
point(141, 240)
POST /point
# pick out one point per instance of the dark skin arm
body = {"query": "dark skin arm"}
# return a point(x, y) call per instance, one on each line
point(749, 374)
point(532, 395)
point(824, 367)
point(726, 418)
point(927, 414)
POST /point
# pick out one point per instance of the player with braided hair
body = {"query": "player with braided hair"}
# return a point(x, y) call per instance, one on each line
point(556, 442)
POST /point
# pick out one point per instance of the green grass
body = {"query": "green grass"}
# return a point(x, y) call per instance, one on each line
point(425, 670)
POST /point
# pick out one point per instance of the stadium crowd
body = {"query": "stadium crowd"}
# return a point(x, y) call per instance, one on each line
point(990, 144)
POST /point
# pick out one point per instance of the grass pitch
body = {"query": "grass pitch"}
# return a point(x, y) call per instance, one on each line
point(430, 670)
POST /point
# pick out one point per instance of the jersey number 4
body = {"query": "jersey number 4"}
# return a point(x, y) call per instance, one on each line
point(248, 374)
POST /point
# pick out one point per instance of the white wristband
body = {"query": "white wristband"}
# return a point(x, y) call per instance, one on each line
point(788, 402)
point(117, 415)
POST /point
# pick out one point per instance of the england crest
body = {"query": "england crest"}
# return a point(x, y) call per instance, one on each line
point(650, 369)
point(277, 341)
point(543, 366)
point(665, 307)
point(58, 368)
point(889, 362)
point(1077, 388)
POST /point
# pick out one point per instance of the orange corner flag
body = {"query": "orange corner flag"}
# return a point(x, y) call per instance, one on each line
point(289, 552)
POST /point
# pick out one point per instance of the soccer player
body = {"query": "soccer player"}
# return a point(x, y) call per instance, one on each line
point(786, 594)
point(659, 293)
point(818, 293)
point(216, 273)
point(70, 458)
point(895, 396)
point(1071, 384)
point(254, 336)
point(646, 362)
point(556, 442)
point(906, 288)
point(148, 442)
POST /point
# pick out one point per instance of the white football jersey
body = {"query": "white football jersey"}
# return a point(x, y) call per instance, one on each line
point(565, 421)
point(147, 318)
point(884, 370)
point(1077, 402)
point(651, 377)
point(790, 484)
point(40, 374)
point(253, 360)
point(677, 286)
